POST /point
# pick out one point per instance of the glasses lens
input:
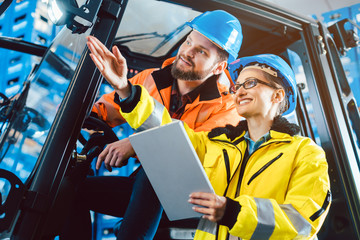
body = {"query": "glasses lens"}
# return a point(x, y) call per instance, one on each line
point(250, 83)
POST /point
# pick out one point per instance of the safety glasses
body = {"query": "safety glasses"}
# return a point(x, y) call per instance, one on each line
point(250, 83)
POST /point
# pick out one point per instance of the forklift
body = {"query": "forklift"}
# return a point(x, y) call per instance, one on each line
point(34, 206)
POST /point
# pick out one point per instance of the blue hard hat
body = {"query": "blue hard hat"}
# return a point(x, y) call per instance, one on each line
point(276, 63)
point(221, 28)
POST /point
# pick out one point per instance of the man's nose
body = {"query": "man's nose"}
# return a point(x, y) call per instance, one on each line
point(189, 52)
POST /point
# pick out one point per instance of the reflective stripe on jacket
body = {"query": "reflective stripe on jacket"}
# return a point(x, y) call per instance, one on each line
point(213, 107)
point(284, 192)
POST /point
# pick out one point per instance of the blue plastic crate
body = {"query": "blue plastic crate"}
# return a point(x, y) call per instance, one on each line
point(14, 66)
point(2, 74)
point(22, 19)
point(44, 30)
point(4, 22)
point(3, 25)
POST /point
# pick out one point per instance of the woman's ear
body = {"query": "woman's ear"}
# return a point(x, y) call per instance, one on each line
point(278, 95)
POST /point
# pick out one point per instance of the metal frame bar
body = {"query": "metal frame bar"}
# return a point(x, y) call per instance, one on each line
point(55, 155)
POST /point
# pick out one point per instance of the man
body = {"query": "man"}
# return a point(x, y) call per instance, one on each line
point(188, 87)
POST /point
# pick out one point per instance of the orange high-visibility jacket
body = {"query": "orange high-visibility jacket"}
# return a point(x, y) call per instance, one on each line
point(213, 107)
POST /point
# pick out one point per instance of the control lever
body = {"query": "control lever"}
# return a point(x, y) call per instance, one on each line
point(82, 164)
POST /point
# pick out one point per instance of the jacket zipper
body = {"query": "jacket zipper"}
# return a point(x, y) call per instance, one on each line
point(242, 170)
point(227, 165)
point(227, 161)
point(263, 168)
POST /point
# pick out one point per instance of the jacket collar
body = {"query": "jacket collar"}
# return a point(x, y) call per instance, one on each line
point(207, 91)
point(280, 124)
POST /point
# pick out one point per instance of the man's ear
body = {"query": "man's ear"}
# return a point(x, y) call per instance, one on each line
point(220, 67)
point(279, 95)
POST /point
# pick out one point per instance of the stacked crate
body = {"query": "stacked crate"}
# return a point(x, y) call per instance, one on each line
point(26, 20)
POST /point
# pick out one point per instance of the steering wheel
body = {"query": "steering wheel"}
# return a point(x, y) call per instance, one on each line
point(103, 135)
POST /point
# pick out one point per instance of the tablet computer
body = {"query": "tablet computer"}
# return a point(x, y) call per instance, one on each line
point(172, 167)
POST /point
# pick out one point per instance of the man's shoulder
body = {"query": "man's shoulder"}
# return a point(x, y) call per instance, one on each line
point(141, 76)
point(168, 62)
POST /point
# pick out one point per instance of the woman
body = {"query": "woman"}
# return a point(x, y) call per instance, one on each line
point(270, 183)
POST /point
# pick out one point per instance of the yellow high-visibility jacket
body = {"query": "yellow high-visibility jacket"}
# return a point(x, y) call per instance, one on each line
point(283, 192)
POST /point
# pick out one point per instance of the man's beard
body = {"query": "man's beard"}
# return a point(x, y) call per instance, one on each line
point(188, 75)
